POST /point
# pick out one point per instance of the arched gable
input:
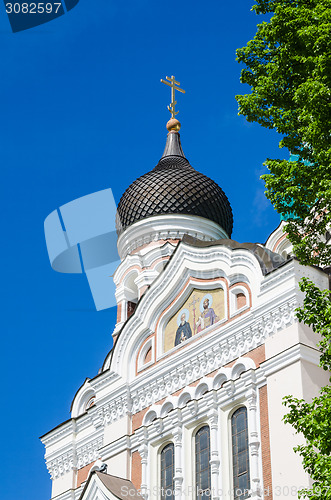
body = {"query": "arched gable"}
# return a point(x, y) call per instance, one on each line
point(210, 266)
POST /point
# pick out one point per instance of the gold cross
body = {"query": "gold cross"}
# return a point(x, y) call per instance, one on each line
point(173, 84)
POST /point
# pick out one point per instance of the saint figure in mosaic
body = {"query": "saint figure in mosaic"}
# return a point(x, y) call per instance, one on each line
point(207, 317)
point(184, 331)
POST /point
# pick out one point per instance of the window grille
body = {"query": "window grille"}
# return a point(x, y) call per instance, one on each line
point(167, 472)
point(240, 454)
point(202, 464)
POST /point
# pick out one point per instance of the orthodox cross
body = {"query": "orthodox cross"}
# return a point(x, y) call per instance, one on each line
point(194, 301)
point(172, 83)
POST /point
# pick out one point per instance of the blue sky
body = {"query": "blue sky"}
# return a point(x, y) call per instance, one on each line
point(82, 109)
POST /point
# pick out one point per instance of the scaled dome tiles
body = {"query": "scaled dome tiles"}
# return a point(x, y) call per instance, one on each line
point(174, 187)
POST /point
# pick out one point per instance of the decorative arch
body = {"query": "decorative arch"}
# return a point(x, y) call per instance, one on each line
point(201, 389)
point(241, 366)
point(183, 399)
point(83, 399)
point(166, 408)
point(221, 378)
point(188, 301)
point(240, 298)
point(145, 356)
point(150, 416)
point(131, 291)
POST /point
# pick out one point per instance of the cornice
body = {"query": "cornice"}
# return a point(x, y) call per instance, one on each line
point(88, 451)
point(165, 227)
point(106, 377)
point(64, 430)
point(224, 346)
point(115, 447)
point(289, 356)
point(227, 343)
point(69, 494)
point(199, 408)
point(61, 463)
point(144, 260)
point(274, 236)
point(278, 277)
point(75, 455)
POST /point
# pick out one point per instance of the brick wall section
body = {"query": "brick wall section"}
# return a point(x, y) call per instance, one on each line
point(257, 355)
point(241, 300)
point(137, 419)
point(265, 443)
point(136, 470)
point(83, 473)
point(119, 313)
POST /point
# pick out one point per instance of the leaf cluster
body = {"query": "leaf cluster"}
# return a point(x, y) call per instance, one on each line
point(316, 313)
point(313, 419)
point(288, 67)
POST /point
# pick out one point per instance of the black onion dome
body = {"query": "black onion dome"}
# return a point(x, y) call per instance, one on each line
point(174, 187)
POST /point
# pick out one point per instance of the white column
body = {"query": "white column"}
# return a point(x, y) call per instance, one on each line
point(178, 479)
point(143, 452)
point(214, 453)
point(254, 443)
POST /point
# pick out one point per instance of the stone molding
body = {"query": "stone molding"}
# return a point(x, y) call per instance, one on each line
point(88, 452)
point(143, 261)
point(178, 374)
point(235, 385)
point(163, 227)
point(185, 368)
point(204, 409)
point(290, 356)
point(75, 456)
point(61, 465)
point(227, 261)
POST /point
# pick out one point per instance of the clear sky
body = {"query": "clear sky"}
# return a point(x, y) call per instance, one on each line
point(82, 109)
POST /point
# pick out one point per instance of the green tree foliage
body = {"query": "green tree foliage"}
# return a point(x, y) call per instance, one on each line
point(313, 419)
point(288, 67)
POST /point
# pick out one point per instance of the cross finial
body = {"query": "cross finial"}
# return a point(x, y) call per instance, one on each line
point(172, 83)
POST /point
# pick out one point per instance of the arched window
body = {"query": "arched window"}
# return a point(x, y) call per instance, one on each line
point(167, 472)
point(202, 463)
point(240, 454)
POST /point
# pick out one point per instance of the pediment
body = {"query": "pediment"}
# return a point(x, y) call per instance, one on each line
point(193, 274)
point(102, 486)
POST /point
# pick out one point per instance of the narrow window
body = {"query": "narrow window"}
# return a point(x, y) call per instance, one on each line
point(148, 356)
point(240, 454)
point(131, 306)
point(241, 300)
point(202, 463)
point(167, 472)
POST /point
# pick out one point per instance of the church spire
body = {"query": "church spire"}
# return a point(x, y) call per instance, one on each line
point(173, 146)
point(173, 84)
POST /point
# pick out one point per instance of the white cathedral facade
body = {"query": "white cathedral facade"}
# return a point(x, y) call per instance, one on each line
point(188, 403)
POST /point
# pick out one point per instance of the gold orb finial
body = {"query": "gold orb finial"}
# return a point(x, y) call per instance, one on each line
point(173, 125)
